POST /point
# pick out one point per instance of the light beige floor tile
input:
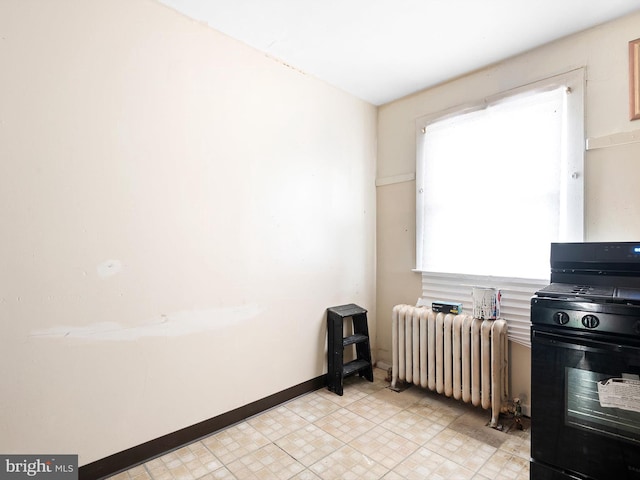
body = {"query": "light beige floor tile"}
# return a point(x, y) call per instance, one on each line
point(138, 472)
point(420, 465)
point(373, 409)
point(370, 432)
point(220, 474)
point(158, 469)
point(306, 475)
point(309, 444)
point(277, 423)
point(135, 473)
point(510, 468)
point(187, 463)
point(518, 443)
point(267, 463)
point(312, 407)
point(393, 476)
point(461, 449)
point(494, 465)
point(164, 475)
point(412, 426)
point(436, 414)
point(402, 399)
point(385, 447)
point(348, 464)
point(234, 442)
point(120, 476)
point(452, 471)
point(349, 395)
point(345, 425)
point(365, 386)
point(181, 472)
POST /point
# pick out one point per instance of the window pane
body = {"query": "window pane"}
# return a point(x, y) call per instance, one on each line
point(492, 190)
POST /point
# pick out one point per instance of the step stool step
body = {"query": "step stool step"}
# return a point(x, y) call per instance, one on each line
point(347, 310)
point(354, 366)
point(357, 338)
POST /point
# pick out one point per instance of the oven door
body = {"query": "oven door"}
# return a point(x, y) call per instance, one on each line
point(585, 407)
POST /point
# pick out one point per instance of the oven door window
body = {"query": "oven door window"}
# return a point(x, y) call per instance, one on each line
point(603, 404)
point(572, 428)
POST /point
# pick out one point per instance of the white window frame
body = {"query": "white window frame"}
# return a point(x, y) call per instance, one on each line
point(516, 292)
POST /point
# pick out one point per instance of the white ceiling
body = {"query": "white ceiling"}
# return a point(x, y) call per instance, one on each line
point(381, 50)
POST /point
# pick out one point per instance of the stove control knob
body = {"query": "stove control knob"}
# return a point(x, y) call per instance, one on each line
point(561, 318)
point(590, 321)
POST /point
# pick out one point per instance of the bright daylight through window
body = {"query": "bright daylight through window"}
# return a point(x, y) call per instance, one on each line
point(496, 184)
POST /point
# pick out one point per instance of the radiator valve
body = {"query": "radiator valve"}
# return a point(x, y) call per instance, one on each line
point(517, 414)
point(514, 410)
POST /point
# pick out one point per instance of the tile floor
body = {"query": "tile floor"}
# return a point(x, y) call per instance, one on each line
point(370, 432)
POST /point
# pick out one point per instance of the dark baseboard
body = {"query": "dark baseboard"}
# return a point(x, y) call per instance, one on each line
point(131, 457)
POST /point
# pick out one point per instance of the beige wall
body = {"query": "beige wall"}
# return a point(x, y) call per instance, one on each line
point(612, 182)
point(178, 211)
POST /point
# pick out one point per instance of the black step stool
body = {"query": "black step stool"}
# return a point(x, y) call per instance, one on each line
point(337, 369)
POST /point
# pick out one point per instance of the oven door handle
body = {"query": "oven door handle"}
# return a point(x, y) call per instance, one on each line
point(581, 344)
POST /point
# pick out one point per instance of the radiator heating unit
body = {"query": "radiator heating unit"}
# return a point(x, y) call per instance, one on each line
point(455, 355)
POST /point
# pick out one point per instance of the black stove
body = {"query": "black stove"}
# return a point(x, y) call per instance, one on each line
point(586, 343)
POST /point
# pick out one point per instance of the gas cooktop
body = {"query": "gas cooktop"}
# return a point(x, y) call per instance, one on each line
point(594, 293)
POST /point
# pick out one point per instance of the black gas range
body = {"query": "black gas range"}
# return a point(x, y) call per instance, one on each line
point(585, 364)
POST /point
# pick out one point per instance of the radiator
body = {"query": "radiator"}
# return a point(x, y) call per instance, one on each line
point(455, 355)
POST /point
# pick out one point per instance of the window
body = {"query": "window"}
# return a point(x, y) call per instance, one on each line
point(497, 183)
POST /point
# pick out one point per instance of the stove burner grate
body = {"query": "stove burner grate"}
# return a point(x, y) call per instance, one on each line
point(582, 289)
